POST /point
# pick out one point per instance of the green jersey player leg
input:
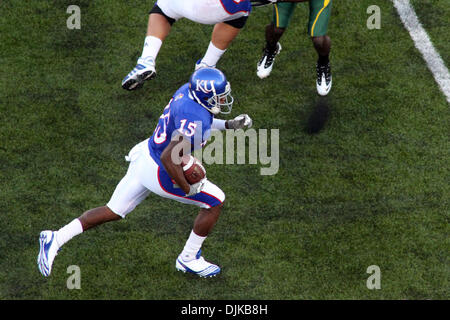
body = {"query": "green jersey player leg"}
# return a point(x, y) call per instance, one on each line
point(282, 13)
point(319, 15)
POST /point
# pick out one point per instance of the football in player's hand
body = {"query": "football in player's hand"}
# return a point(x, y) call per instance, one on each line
point(193, 169)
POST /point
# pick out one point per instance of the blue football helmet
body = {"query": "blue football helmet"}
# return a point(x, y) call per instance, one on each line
point(210, 88)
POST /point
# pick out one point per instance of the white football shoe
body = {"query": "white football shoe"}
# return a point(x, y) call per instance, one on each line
point(324, 79)
point(199, 64)
point(144, 70)
point(198, 266)
point(265, 64)
point(47, 252)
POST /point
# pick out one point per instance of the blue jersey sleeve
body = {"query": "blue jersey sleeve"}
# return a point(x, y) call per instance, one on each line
point(195, 127)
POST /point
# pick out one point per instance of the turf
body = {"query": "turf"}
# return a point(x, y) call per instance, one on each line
point(363, 177)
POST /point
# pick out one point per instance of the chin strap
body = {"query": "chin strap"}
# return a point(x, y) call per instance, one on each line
point(193, 96)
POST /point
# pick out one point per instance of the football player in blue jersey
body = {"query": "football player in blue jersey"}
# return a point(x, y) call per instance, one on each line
point(227, 16)
point(155, 166)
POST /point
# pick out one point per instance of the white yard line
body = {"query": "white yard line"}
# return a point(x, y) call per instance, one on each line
point(424, 45)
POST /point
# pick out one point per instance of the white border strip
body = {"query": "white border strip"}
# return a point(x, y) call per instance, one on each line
point(424, 45)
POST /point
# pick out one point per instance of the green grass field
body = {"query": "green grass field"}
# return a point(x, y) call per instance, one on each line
point(370, 188)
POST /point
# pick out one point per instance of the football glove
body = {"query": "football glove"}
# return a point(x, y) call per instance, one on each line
point(196, 188)
point(242, 121)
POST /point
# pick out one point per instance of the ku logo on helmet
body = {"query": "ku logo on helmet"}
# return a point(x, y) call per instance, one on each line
point(203, 86)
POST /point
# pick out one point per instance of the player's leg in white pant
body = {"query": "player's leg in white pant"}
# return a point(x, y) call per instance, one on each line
point(158, 28)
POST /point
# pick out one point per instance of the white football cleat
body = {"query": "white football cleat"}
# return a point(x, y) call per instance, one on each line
point(198, 266)
point(265, 64)
point(47, 252)
point(144, 70)
point(199, 64)
point(324, 79)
